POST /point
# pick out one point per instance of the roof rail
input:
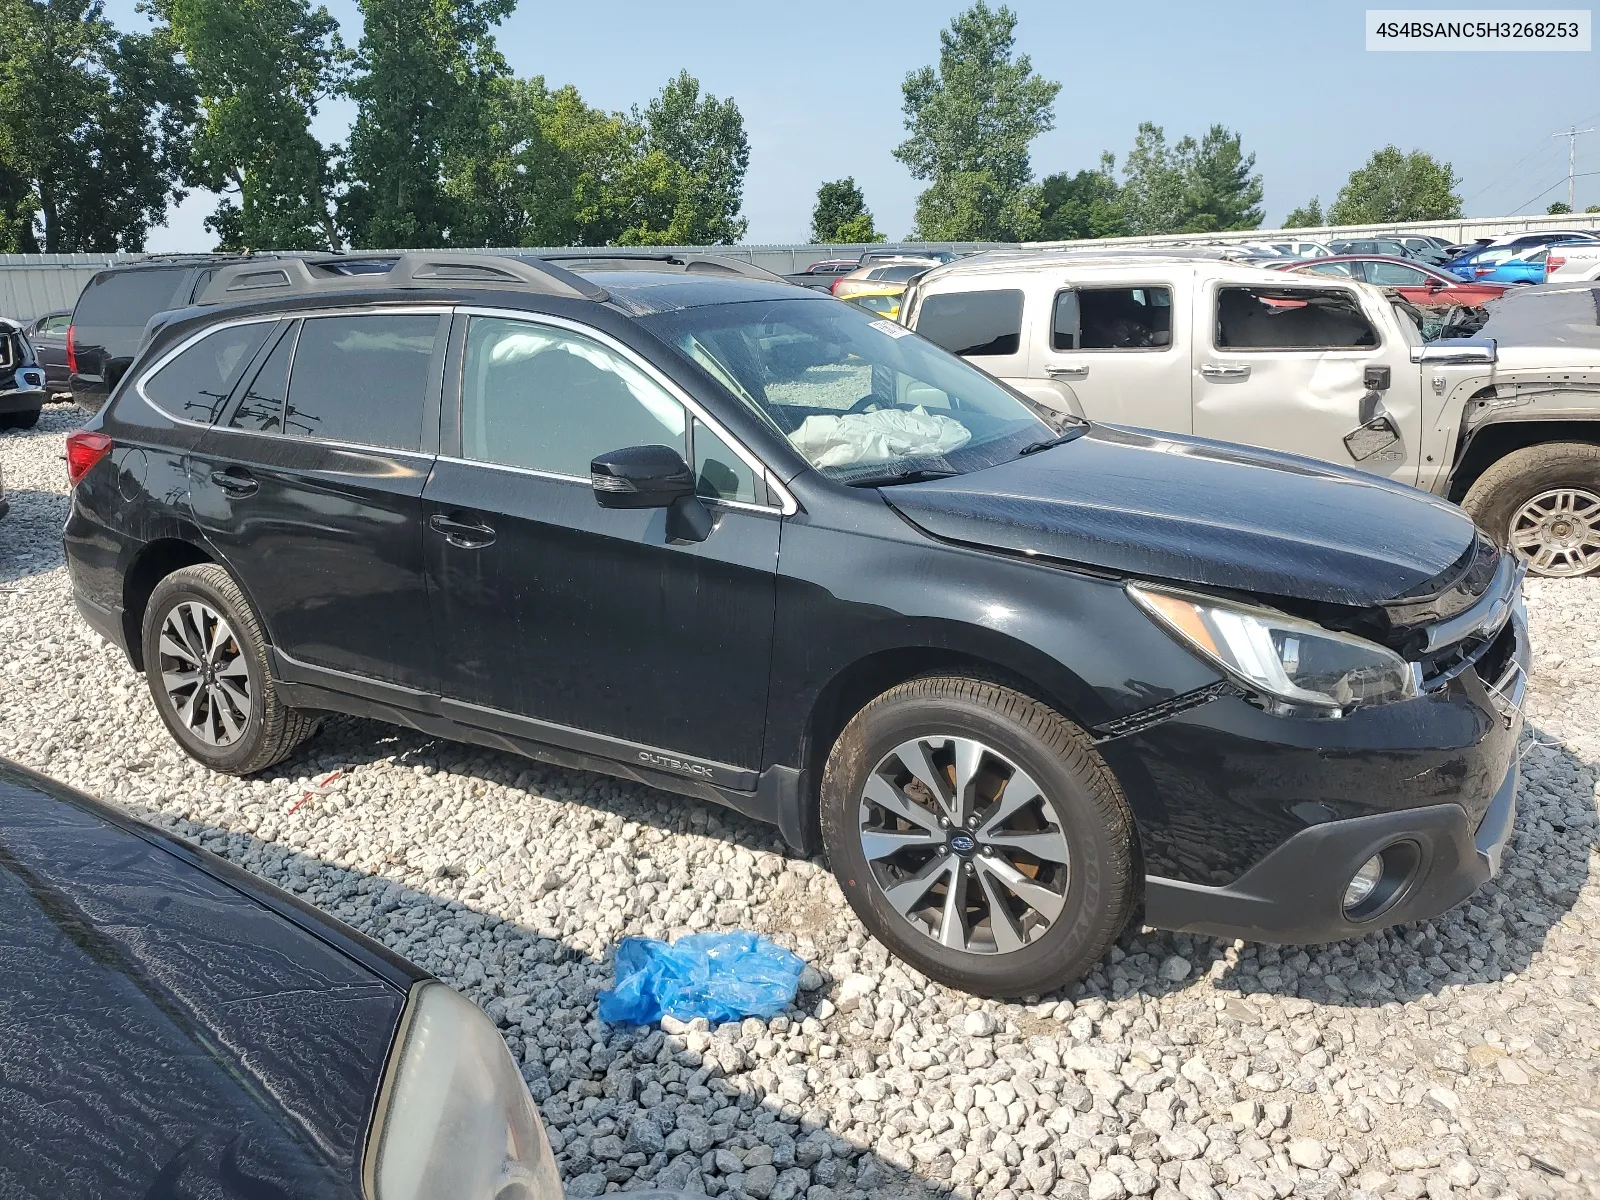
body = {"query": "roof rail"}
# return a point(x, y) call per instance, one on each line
point(689, 264)
point(415, 269)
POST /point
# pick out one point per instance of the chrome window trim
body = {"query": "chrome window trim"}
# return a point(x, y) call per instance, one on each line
point(787, 505)
point(257, 319)
point(768, 510)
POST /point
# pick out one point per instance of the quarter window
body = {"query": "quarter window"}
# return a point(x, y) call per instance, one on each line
point(1250, 318)
point(195, 384)
point(1138, 318)
point(550, 400)
point(973, 323)
point(362, 379)
point(261, 408)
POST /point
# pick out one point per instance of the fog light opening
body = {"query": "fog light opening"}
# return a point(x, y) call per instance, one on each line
point(1380, 881)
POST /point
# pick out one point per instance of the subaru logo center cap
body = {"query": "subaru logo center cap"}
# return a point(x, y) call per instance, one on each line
point(963, 843)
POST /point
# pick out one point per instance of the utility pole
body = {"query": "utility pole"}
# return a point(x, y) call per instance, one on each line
point(1572, 136)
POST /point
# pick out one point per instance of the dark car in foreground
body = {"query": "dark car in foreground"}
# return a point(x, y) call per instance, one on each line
point(22, 389)
point(1024, 682)
point(176, 1027)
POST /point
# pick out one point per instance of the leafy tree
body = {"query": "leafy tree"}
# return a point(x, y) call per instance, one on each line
point(1397, 187)
point(95, 128)
point(262, 67)
point(1153, 197)
point(426, 74)
point(1085, 205)
point(701, 145)
point(1593, 208)
point(1220, 190)
point(1559, 207)
point(971, 120)
point(841, 214)
point(1307, 215)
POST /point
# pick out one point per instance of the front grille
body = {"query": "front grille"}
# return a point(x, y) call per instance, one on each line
point(1488, 656)
point(1452, 591)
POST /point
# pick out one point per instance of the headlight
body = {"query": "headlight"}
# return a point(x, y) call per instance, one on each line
point(455, 1121)
point(1298, 664)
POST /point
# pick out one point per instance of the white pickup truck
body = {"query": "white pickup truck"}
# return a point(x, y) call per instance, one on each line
point(1572, 262)
point(1506, 423)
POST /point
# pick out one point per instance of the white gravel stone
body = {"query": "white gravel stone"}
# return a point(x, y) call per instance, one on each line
point(1446, 1058)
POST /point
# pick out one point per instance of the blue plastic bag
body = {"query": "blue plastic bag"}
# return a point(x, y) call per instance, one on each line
point(718, 976)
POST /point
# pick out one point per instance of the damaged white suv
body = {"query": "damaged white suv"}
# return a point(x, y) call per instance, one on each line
point(1507, 423)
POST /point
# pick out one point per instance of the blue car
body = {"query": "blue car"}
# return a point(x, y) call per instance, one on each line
point(1502, 264)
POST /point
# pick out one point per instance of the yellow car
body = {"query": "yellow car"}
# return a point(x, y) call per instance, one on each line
point(884, 301)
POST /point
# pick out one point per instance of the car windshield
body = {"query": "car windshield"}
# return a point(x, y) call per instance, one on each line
point(861, 398)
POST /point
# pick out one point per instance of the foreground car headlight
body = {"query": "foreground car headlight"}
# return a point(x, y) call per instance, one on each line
point(455, 1121)
point(1297, 664)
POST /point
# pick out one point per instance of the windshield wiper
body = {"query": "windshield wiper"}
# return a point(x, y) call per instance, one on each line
point(889, 478)
point(1069, 435)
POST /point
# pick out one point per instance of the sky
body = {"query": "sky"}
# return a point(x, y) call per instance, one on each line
point(819, 87)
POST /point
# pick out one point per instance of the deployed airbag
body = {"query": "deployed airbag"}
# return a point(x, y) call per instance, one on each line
point(879, 436)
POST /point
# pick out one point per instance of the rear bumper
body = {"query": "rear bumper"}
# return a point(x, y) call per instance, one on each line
point(1296, 893)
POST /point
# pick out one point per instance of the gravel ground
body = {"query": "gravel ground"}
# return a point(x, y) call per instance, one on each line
point(1454, 1058)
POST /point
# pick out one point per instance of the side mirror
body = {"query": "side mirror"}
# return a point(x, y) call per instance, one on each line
point(652, 477)
point(1456, 350)
point(640, 477)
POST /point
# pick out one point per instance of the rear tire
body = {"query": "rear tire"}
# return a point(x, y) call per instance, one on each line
point(206, 664)
point(1544, 503)
point(944, 900)
point(26, 419)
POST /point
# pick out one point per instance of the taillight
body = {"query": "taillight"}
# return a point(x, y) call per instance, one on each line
point(1480, 272)
point(84, 449)
point(833, 288)
point(72, 349)
point(1553, 264)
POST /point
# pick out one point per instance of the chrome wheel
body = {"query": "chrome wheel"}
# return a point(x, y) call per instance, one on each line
point(964, 845)
point(203, 673)
point(1558, 532)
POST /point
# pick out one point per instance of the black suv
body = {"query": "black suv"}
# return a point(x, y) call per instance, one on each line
point(737, 540)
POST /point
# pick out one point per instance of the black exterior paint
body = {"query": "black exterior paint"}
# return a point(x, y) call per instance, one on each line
point(724, 668)
point(170, 1025)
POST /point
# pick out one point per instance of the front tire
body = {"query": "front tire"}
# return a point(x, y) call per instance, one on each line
point(1544, 503)
point(979, 836)
point(205, 660)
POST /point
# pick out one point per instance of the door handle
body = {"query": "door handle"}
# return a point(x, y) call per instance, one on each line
point(1067, 372)
point(1225, 371)
point(464, 534)
point(235, 482)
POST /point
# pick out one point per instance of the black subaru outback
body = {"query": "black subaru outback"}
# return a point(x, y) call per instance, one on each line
point(735, 539)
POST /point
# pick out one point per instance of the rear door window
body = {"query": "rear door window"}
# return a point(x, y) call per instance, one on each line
point(1256, 318)
point(1386, 274)
point(1121, 318)
point(195, 384)
point(362, 379)
point(973, 323)
point(261, 407)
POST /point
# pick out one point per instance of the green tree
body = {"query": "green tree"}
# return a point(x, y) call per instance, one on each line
point(1220, 189)
point(701, 145)
point(1154, 194)
point(841, 214)
point(1559, 207)
point(1397, 187)
point(1593, 208)
point(1085, 205)
point(1306, 216)
point(262, 67)
point(971, 121)
point(423, 94)
point(95, 127)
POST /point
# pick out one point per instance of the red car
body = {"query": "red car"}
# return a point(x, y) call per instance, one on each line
point(1416, 282)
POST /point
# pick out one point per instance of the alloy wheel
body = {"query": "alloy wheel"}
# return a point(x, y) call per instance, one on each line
point(964, 845)
point(204, 674)
point(1558, 532)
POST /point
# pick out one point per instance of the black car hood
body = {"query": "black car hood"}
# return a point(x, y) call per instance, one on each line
point(167, 1033)
point(1201, 512)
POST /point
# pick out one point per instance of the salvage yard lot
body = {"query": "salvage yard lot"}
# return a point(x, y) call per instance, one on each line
point(1458, 1057)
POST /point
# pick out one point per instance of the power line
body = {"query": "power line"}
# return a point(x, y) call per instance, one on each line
point(1553, 187)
